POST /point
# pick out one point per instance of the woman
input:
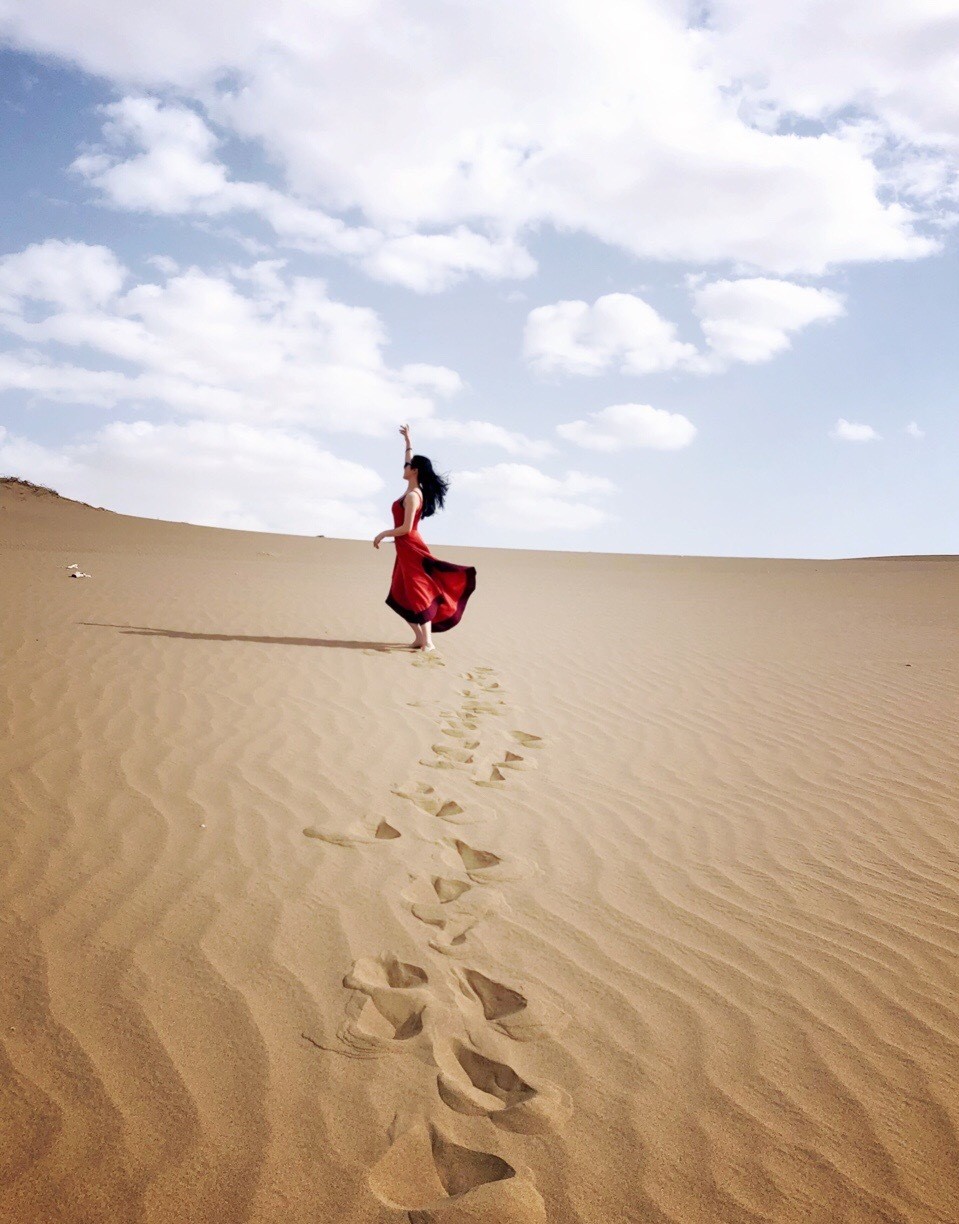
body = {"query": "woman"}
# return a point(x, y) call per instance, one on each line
point(430, 594)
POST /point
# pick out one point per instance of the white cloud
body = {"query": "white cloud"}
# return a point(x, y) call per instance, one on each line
point(172, 169)
point(251, 343)
point(234, 475)
point(752, 319)
point(913, 430)
point(521, 498)
point(894, 61)
point(70, 275)
point(883, 76)
point(623, 426)
point(430, 263)
point(484, 433)
point(616, 120)
point(618, 331)
point(851, 431)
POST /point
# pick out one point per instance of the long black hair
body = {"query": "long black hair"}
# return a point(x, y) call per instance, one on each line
point(433, 485)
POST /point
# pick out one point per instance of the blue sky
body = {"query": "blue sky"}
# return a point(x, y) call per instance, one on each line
point(640, 285)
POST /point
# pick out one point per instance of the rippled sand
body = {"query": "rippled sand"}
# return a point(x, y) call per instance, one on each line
point(640, 902)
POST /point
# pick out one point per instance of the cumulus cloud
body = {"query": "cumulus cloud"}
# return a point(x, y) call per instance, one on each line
point(754, 318)
point(227, 475)
point(626, 122)
point(484, 433)
point(161, 158)
point(249, 344)
point(913, 430)
point(894, 62)
point(618, 331)
point(522, 498)
point(882, 76)
point(429, 263)
point(852, 431)
point(750, 319)
point(172, 170)
point(623, 426)
point(69, 275)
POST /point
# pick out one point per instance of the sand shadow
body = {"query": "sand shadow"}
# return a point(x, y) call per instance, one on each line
point(330, 643)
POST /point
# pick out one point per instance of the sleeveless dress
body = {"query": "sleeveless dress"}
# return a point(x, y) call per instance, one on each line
point(424, 588)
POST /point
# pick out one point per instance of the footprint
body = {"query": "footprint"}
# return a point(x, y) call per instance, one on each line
point(431, 913)
point(374, 972)
point(435, 913)
point(418, 793)
point(454, 918)
point(434, 1179)
point(483, 866)
point(449, 890)
point(476, 860)
point(387, 1007)
point(451, 938)
point(496, 1085)
point(496, 999)
point(510, 1012)
point(449, 758)
point(444, 809)
point(527, 739)
point(485, 682)
point(354, 836)
point(476, 1085)
point(451, 811)
point(452, 753)
point(482, 707)
point(513, 760)
point(431, 659)
point(374, 1022)
point(495, 778)
point(451, 929)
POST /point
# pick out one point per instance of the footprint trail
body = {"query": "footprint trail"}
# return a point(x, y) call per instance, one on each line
point(456, 1014)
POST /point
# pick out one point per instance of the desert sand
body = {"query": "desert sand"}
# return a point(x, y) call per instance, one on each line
point(638, 902)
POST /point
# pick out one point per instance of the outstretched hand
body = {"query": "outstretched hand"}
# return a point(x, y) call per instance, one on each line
point(405, 431)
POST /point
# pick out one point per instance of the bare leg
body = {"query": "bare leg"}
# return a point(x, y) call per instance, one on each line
point(428, 636)
point(418, 637)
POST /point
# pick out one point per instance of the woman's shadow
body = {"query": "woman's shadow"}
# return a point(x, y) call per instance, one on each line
point(331, 643)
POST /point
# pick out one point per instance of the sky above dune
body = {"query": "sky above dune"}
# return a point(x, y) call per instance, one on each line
point(642, 277)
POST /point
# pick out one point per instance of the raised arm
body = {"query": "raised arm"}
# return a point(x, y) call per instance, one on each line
point(410, 501)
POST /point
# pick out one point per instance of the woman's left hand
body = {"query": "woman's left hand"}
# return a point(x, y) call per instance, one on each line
point(377, 541)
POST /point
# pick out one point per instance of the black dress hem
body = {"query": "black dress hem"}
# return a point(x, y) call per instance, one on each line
point(432, 565)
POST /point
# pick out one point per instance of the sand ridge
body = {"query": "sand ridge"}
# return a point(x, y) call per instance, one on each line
point(271, 952)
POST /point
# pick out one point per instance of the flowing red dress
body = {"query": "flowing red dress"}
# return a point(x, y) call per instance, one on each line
point(423, 588)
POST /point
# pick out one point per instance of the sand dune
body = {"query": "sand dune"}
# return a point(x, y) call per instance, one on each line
point(638, 902)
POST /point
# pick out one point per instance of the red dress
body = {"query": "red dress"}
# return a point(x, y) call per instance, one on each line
point(423, 588)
